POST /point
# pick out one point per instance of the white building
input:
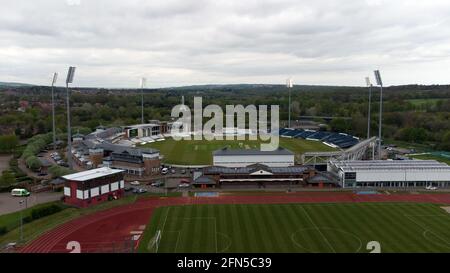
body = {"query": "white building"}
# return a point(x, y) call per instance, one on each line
point(242, 158)
point(391, 173)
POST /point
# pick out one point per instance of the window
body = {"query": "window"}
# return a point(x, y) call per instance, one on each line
point(67, 191)
point(351, 175)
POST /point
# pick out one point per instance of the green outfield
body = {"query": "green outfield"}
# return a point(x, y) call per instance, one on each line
point(398, 227)
point(199, 152)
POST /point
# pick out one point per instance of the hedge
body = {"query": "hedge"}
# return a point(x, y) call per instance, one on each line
point(45, 211)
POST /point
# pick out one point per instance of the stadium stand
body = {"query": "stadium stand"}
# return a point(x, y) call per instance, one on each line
point(340, 140)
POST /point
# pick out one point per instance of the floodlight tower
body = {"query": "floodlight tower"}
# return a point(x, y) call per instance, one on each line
point(289, 85)
point(69, 79)
point(369, 85)
point(142, 84)
point(379, 83)
point(55, 76)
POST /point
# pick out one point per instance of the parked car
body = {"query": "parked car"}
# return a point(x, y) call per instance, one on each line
point(183, 171)
point(128, 189)
point(139, 190)
point(135, 183)
point(173, 171)
point(184, 185)
point(158, 184)
point(164, 171)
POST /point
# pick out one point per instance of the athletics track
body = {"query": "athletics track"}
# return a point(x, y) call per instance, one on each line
point(111, 230)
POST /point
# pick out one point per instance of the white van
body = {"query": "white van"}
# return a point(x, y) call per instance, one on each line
point(164, 170)
point(20, 192)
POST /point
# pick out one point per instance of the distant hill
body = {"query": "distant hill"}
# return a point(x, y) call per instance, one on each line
point(14, 84)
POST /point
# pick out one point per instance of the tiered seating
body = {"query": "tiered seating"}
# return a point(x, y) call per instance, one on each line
point(291, 133)
point(283, 131)
point(305, 134)
point(333, 139)
point(319, 135)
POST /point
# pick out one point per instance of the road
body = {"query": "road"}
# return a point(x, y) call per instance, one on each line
point(10, 204)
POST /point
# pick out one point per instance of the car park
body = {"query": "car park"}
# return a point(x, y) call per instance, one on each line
point(158, 184)
point(139, 190)
point(184, 185)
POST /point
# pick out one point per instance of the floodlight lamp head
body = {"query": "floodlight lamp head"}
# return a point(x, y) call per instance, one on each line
point(378, 77)
point(70, 74)
point(55, 77)
point(289, 83)
point(142, 82)
point(368, 83)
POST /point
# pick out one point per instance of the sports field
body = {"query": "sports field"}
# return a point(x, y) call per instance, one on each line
point(199, 152)
point(345, 227)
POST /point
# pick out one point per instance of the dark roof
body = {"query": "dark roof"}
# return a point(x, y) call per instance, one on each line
point(256, 167)
point(232, 152)
point(57, 181)
point(204, 180)
point(321, 178)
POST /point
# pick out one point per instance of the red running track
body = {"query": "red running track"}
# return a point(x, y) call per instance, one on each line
point(109, 230)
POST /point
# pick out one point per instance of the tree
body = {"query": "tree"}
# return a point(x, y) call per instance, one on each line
point(33, 163)
point(8, 143)
point(7, 178)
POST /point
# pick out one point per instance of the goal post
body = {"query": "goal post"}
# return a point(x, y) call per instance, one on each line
point(153, 244)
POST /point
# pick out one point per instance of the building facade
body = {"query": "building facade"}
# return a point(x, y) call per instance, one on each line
point(254, 175)
point(94, 186)
point(390, 173)
point(242, 158)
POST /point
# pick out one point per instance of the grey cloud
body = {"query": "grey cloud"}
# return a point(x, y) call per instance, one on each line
point(180, 42)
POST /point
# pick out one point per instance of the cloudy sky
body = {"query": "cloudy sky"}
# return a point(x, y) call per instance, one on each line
point(184, 42)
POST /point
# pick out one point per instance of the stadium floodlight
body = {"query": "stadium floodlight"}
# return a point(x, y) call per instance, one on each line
point(378, 78)
point(289, 85)
point(70, 75)
point(369, 85)
point(55, 77)
point(379, 83)
point(142, 85)
point(69, 79)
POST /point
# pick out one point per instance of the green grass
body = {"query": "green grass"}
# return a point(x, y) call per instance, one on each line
point(432, 157)
point(38, 227)
point(12, 220)
point(398, 227)
point(199, 152)
point(35, 228)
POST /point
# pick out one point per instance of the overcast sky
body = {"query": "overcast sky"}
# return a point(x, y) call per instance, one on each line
point(184, 42)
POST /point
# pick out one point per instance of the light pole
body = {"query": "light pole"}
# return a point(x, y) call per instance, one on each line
point(142, 84)
point(289, 85)
point(379, 83)
point(55, 76)
point(369, 85)
point(21, 217)
point(69, 79)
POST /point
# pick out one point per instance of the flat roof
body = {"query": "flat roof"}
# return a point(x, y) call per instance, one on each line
point(233, 152)
point(136, 126)
point(91, 174)
point(361, 165)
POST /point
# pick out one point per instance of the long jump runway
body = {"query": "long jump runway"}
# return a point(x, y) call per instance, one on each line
point(115, 230)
